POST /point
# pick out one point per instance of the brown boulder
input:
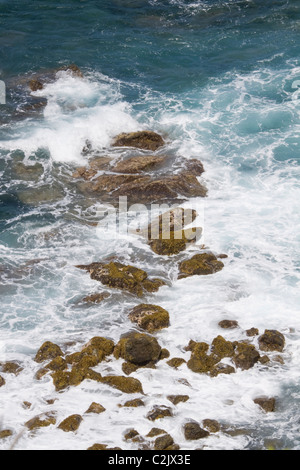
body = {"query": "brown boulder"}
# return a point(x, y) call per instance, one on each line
point(246, 356)
point(267, 404)
point(138, 164)
point(71, 423)
point(40, 421)
point(192, 431)
point(138, 349)
point(146, 140)
point(200, 264)
point(159, 412)
point(271, 340)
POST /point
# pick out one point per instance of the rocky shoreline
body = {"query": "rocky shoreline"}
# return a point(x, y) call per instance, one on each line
point(147, 177)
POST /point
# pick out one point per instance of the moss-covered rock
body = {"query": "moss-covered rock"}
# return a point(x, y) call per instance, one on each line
point(99, 344)
point(221, 348)
point(120, 276)
point(150, 317)
point(159, 412)
point(200, 264)
point(176, 362)
point(10, 367)
point(163, 442)
point(95, 408)
point(228, 324)
point(246, 356)
point(41, 421)
point(71, 423)
point(252, 332)
point(138, 164)
point(202, 363)
point(138, 348)
point(211, 425)
point(124, 384)
point(271, 340)
point(59, 363)
point(48, 351)
point(193, 431)
point(146, 140)
point(135, 403)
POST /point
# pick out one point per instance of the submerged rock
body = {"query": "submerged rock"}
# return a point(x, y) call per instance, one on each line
point(138, 349)
point(35, 85)
point(95, 165)
point(200, 264)
point(159, 412)
point(271, 340)
point(28, 172)
point(267, 404)
point(48, 351)
point(150, 317)
point(146, 140)
point(211, 425)
point(175, 399)
point(10, 367)
point(96, 298)
point(73, 69)
point(120, 276)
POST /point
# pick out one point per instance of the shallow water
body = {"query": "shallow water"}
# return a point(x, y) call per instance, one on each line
point(219, 81)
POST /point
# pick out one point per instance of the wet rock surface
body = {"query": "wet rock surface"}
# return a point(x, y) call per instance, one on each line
point(150, 317)
point(200, 264)
point(146, 140)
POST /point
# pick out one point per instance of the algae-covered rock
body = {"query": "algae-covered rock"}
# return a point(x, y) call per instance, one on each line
point(59, 363)
point(48, 351)
point(163, 442)
point(135, 403)
point(176, 362)
point(2, 381)
point(138, 348)
point(131, 434)
point(5, 433)
point(10, 367)
point(35, 85)
point(222, 348)
point(99, 343)
point(124, 384)
point(120, 276)
point(159, 412)
point(40, 421)
point(150, 317)
point(138, 164)
point(200, 264)
point(95, 408)
point(96, 298)
point(155, 432)
point(193, 431)
point(175, 399)
point(246, 356)
point(71, 423)
point(266, 403)
point(74, 377)
point(221, 368)
point(202, 363)
point(98, 447)
point(252, 332)
point(146, 140)
point(211, 425)
point(228, 324)
point(271, 340)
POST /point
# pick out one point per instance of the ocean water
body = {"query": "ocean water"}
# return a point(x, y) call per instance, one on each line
point(219, 80)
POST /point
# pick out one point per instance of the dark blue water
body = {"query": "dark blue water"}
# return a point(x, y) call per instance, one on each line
point(220, 79)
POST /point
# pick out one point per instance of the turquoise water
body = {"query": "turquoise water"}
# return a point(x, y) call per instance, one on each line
point(219, 80)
